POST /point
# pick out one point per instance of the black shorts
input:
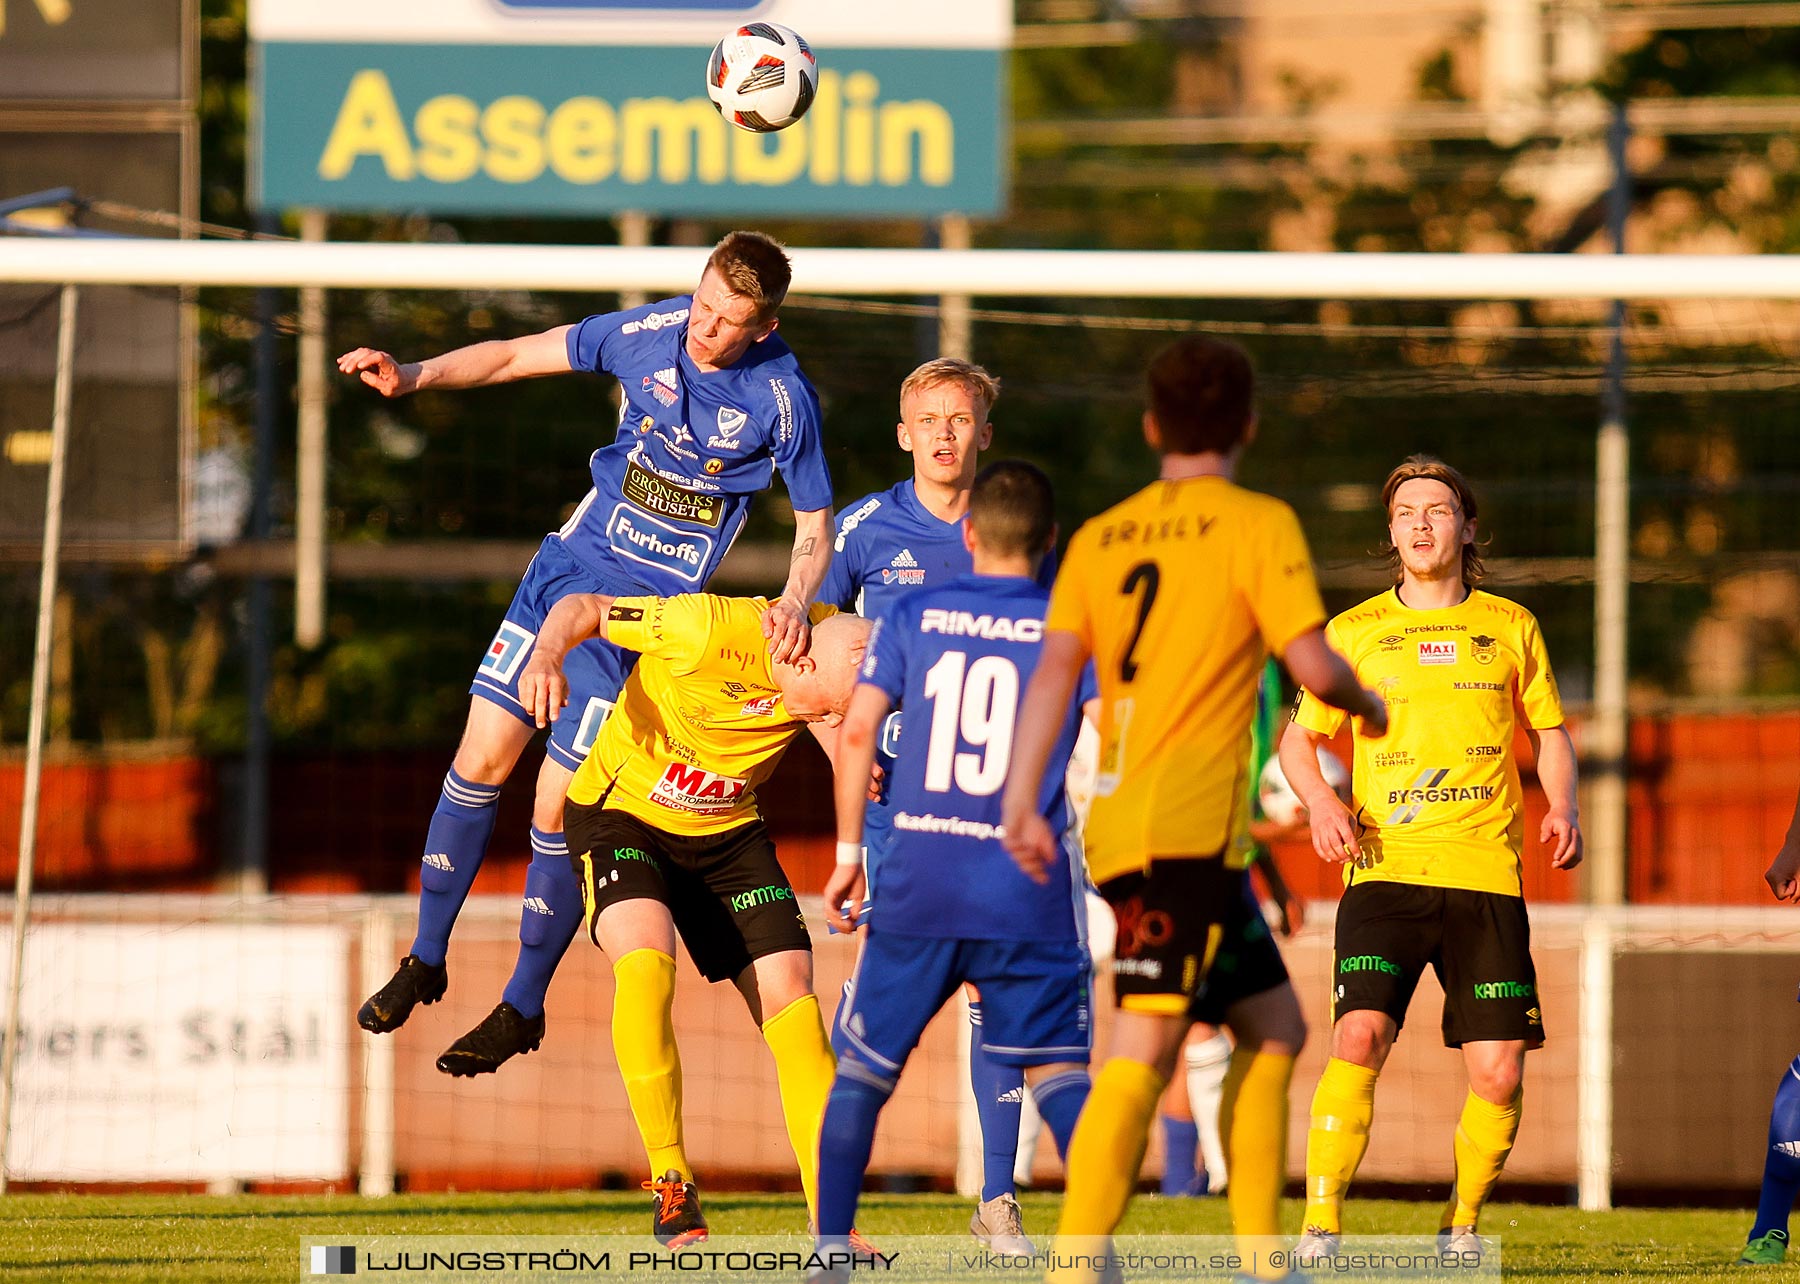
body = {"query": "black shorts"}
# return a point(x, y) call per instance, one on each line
point(1171, 926)
point(730, 899)
point(1248, 963)
point(1479, 943)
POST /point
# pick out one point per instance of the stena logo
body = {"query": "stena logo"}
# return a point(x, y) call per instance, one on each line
point(992, 628)
point(1437, 652)
point(654, 321)
point(685, 788)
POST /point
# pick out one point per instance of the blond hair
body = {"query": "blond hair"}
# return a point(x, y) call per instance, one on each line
point(981, 385)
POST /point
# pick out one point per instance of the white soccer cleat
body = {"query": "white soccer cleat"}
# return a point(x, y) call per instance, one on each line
point(1460, 1241)
point(1000, 1225)
point(1315, 1247)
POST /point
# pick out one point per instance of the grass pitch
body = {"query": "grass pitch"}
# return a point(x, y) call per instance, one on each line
point(124, 1239)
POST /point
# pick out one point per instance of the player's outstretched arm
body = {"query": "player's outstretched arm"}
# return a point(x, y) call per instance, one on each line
point(856, 738)
point(1783, 874)
point(543, 689)
point(785, 623)
point(1333, 828)
point(1042, 710)
point(1556, 773)
point(1330, 678)
point(477, 366)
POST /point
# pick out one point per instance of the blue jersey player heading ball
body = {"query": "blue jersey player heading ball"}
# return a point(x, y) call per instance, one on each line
point(952, 907)
point(712, 402)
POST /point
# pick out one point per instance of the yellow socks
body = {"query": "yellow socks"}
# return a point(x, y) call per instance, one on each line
point(1342, 1107)
point(1106, 1152)
point(644, 1045)
point(1253, 1123)
point(1484, 1138)
point(804, 1067)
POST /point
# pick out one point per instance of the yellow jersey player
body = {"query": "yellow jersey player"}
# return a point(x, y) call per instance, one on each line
point(665, 838)
point(1178, 595)
point(1431, 843)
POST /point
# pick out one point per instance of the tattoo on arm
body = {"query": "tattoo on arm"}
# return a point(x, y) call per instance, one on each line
point(804, 550)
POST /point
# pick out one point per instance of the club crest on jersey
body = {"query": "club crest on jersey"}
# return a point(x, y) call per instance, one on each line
point(731, 423)
point(507, 651)
point(1437, 652)
point(685, 788)
point(662, 386)
point(904, 569)
point(1483, 648)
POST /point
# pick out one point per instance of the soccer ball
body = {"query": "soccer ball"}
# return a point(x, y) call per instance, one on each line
point(762, 77)
point(1279, 802)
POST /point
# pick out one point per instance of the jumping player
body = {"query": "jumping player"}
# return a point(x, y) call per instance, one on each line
point(712, 401)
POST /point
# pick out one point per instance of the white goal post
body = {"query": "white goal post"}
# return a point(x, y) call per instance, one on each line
point(970, 274)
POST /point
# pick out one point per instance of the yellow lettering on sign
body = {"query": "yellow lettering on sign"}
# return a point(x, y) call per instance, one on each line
point(675, 131)
point(53, 12)
point(753, 162)
point(583, 138)
point(449, 151)
point(368, 124)
point(514, 129)
point(901, 123)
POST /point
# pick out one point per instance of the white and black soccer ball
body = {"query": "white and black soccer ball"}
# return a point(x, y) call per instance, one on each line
point(1279, 801)
point(762, 77)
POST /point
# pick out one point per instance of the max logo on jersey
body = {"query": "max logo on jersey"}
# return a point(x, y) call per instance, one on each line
point(731, 423)
point(507, 652)
point(761, 708)
point(993, 628)
point(1437, 652)
point(662, 386)
point(685, 788)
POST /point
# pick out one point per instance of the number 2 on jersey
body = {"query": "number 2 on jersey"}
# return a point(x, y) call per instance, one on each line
point(1147, 577)
point(981, 700)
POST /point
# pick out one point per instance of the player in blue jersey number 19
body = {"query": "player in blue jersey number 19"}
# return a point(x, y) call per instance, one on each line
point(712, 402)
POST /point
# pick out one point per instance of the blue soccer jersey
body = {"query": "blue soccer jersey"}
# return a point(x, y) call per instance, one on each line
point(958, 658)
point(673, 489)
point(889, 544)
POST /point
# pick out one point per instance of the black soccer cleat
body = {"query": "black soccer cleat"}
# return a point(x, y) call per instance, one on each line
point(415, 982)
point(675, 1216)
point(503, 1034)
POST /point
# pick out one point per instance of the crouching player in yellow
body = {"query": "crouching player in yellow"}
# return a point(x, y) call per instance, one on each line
point(666, 839)
point(1430, 844)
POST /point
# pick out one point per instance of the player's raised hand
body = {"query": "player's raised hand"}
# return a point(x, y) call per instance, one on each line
point(1783, 874)
point(788, 630)
point(843, 895)
point(1563, 833)
point(380, 371)
point(1032, 846)
point(1334, 831)
point(543, 689)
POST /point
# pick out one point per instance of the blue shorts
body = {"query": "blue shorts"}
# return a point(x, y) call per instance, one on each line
point(595, 670)
point(1034, 999)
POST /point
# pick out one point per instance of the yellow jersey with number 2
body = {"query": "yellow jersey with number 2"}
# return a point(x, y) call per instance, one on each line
point(1438, 798)
point(699, 723)
point(1180, 593)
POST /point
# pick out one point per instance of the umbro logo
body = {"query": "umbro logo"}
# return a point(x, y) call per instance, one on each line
point(438, 860)
point(538, 905)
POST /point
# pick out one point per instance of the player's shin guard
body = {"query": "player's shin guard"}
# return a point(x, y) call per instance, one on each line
point(804, 1068)
point(1342, 1108)
point(1484, 1138)
point(1253, 1116)
point(454, 845)
point(644, 1044)
point(999, 1095)
point(1059, 1098)
point(845, 1140)
point(547, 923)
point(1107, 1148)
point(1207, 1063)
point(1781, 1166)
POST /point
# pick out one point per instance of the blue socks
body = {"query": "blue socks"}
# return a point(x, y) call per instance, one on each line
point(1059, 1100)
point(845, 1140)
point(1181, 1138)
point(548, 922)
point(1781, 1167)
point(454, 846)
point(999, 1097)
